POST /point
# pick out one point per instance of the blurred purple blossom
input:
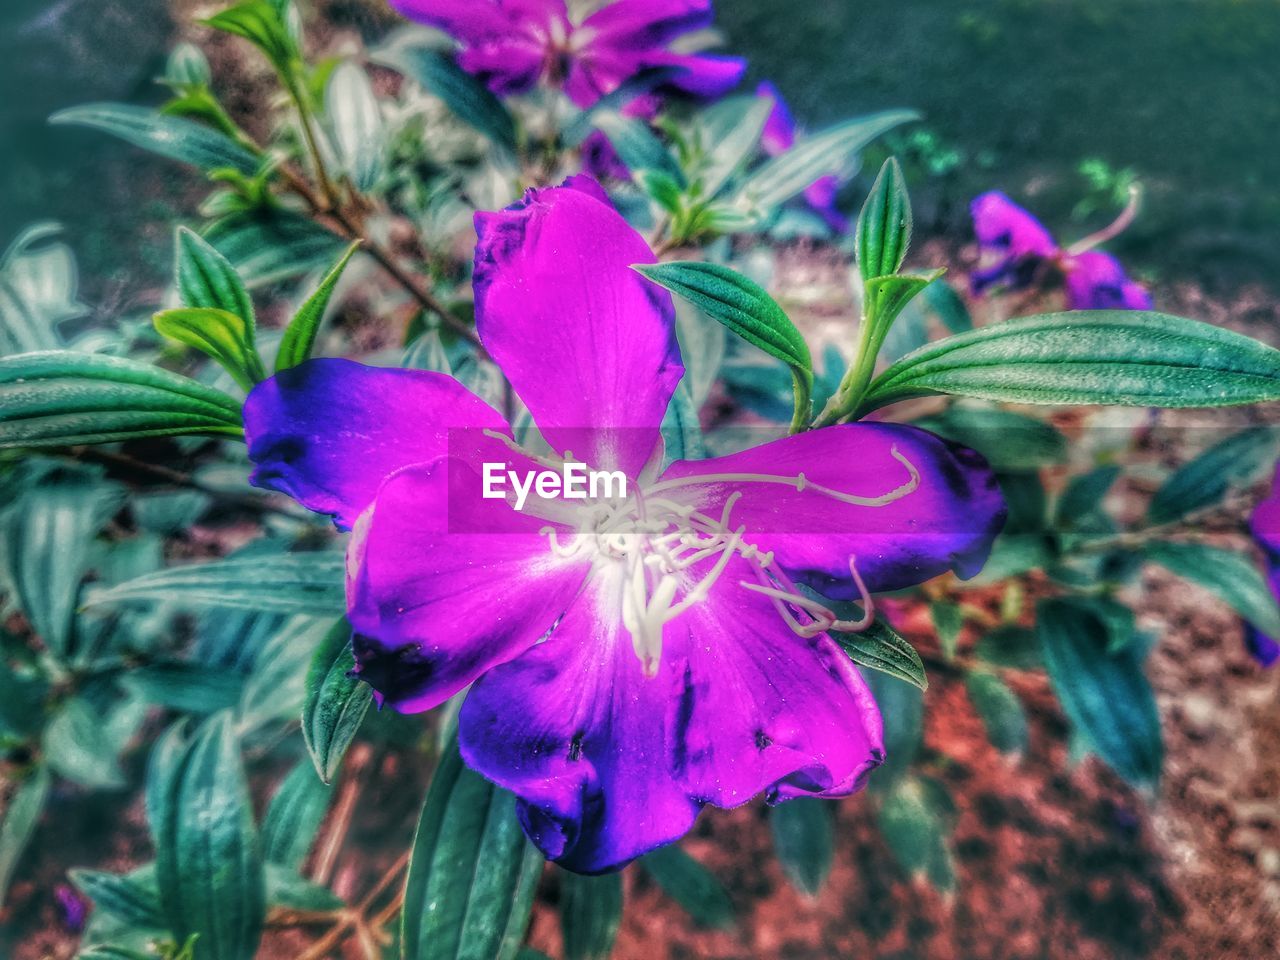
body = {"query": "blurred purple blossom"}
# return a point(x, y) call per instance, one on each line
point(779, 136)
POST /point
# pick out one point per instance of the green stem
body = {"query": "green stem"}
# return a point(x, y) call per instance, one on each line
point(802, 390)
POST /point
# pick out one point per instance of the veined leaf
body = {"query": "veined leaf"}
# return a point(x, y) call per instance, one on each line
point(590, 913)
point(205, 278)
point(133, 897)
point(466, 96)
point(1009, 441)
point(789, 174)
point(208, 863)
point(221, 335)
point(1227, 574)
point(1123, 357)
point(62, 397)
point(1105, 695)
point(309, 583)
point(294, 816)
point(731, 131)
point(300, 336)
point(260, 22)
point(884, 226)
point(882, 648)
point(172, 137)
point(336, 702)
point(269, 248)
point(356, 123)
point(19, 821)
point(472, 872)
point(691, 885)
point(1235, 462)
point(638, 146)
point(804, 840)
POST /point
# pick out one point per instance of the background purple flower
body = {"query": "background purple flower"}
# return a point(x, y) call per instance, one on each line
point(1019, 249)
point(779, 136)
point(630, 662)
point(1265, 526)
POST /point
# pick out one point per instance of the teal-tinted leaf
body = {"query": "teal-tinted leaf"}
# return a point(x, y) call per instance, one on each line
point(948, 621)
point(275, 689)
point(691, 885)
point(884, 226)
point(187, 687)
point(914, 825)
point(47, 541)
point(730, 131)
point(269, 247)
point(466, 96)
point(1084, 494)
point(205, 278)
point(355, 120)
point(289, 891)
point(1010, 646)
point(208, 863)
point(132, 898)
point(1123, 357)
point(1014, 554)
point(223, 336)
point(78, 745)
point(168, 511)
point(300, 336)
point(1009, 441)
point(902, 709)
point(18, 822)
point(830, 151)
point(1234, 463)
point(60, 397)
point(681, 431)
point(803, 839)
point(172, 137)
point(1119, 621)
point(1227, 574)
point(262, 24)
point(38, 290)
point(23, 690)
point(1105, 695)
point(294, 816)
point(638, 146)
point(882, 648)
point(335, 704)
point(187, 66)
point(298, 583)
point(1001, 711)
point(738, 303)
point(472, 872)
point(948, 307)
point(590, 913)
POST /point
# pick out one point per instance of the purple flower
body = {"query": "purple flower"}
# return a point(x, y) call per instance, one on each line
point(779, 136)
point(515, 44)
point(1265, 526)
point(74, 908)
point(631, 658)
point(1020, 250)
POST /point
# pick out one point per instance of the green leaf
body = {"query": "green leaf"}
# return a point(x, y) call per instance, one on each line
point(590, 913)
point(1009, 441)
point(294, 816)
point(1001, 711)
point(187, 66)
point(745, 308)
point(1105, 695)
point(310, 583)
point(466, 96)
point(1229, 575)
point(78, 745)
point(902, 708)
point(288, 890)
point(948, 621)
point(731, 129)
point(789, 174)
point(300, 336)
point(1234, 463)
point(691, 885)
point(187, 687)
point(882, 648)
point(62, 397)
point(884, 226)
point(355, 120)
point(133, 898)
point(948, 307)
point(472, 872)
point(267, 247)
point(223, 336)
point(171, 137)
point(18, 822)
point(335, 704)
point(205, 278)
point(803, 839)
point(1010, 646)
point(260, 22)
point(1123, 357)
point(638, 146)
point(886, 297)
point(913, 819)
point(208, 863)
point(1084, 494)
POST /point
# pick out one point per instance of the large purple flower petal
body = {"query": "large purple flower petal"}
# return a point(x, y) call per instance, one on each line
point(1096, 281)
point(947, 522)
point(588, 344)
point(471, 21)
point(444, 584)
point(584, 740)
point(328, 432)
point(765, 709)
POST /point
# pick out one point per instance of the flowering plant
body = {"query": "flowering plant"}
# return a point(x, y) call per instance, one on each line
point(584, 520)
